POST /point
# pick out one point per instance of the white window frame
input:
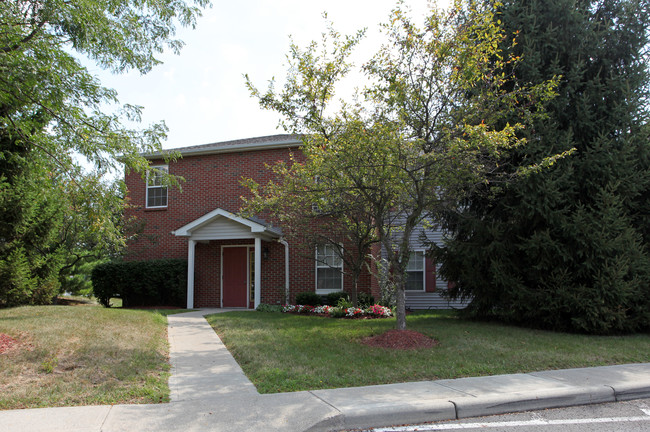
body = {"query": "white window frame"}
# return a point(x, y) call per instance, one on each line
point(148, 186)
point(414, 253)
point(321, 265)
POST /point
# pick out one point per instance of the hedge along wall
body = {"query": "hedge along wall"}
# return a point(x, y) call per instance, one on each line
point(160, 282)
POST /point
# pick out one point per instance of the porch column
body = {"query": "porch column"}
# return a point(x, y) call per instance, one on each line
point(258, 271)
point(191, 245)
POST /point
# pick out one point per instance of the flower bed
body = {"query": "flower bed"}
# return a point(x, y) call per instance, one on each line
point(374, 311)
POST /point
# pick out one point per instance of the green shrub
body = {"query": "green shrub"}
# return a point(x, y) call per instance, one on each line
point(332, 299)
point(263, 307)
point(344, 303)
point(308, 298)
point(337, 312)
point(141, 283)
point(365, 300)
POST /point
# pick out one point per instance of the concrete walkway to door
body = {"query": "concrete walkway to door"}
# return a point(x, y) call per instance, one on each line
point(209, 392)
point(202, 367)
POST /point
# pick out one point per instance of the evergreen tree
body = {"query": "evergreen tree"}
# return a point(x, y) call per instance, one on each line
point(566, 248)
point(30, 215)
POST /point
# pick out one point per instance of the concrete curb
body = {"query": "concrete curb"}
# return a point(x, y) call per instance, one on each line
point(628, 382)
point(502, 403)
point(630, 392)
point(378, 415)
point(413, 412)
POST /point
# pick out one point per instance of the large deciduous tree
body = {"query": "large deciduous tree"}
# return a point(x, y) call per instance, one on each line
point(567, 248)
point(422, 135)
point(56, 120)
point(317, 208)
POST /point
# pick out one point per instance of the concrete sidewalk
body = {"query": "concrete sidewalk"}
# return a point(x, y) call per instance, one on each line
point(209, 392)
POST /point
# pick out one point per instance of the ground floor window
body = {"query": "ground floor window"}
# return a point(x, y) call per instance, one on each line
point(415, 272)
point(329, 269)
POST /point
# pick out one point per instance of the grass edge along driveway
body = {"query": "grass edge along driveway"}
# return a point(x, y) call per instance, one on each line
point(284, 352)
point(83, 355)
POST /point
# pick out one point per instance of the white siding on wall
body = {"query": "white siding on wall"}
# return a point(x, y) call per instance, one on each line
point(421, 234)
point(423, 300)
point(222, 228)
point(434, 300)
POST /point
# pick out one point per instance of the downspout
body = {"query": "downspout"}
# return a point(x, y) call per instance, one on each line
point(286, 268)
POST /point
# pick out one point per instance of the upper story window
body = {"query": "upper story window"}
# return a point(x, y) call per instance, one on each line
point(329, 269)
point(156, 189)
point(415, 279)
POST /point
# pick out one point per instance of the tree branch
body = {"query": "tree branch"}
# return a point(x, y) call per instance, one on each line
point(24, 40)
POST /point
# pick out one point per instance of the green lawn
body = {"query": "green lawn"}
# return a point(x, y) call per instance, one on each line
point(83, 355)
point(282, 352)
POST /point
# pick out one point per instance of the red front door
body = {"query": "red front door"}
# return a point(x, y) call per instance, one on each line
point(235, 277)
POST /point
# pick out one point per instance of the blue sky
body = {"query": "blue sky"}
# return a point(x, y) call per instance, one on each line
point(200, 94)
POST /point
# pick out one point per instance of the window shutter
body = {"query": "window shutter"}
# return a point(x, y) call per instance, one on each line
point(430, 275)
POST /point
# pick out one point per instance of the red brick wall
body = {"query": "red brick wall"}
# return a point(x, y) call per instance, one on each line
point(211, 182)
point(207, 270)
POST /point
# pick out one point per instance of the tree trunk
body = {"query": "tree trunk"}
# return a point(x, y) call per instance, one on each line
point(401, 308)
point(354, 295)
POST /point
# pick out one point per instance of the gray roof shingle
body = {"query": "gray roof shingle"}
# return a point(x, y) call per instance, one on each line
point(246, 144)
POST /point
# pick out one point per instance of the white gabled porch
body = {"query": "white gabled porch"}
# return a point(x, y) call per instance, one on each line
point(221, 224)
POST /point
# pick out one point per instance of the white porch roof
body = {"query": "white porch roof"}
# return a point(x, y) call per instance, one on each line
point(221, 224)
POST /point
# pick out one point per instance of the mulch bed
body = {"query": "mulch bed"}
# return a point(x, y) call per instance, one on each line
point(6, 343)
point(400, 340)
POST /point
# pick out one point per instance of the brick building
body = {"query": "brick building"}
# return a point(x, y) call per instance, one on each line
point(235, 261)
